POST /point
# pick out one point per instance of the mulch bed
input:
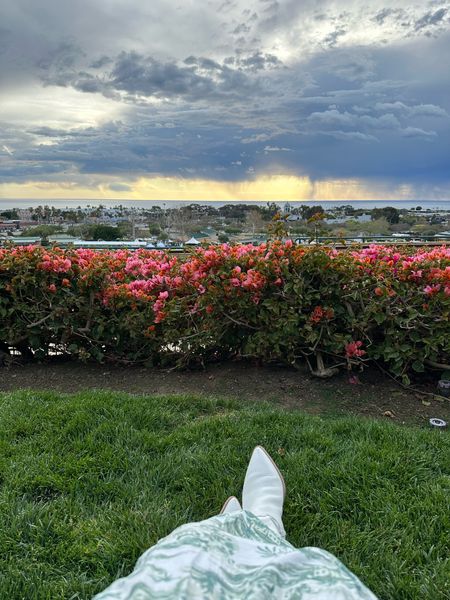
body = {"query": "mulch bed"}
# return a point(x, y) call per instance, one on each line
point(376, 395)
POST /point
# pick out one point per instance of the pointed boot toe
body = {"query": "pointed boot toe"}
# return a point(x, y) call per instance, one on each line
point(232, 504)
point(264, 489)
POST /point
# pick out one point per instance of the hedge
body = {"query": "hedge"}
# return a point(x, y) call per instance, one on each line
point(274, 302)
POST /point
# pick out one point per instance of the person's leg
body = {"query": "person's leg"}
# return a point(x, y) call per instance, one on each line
point(264, 490)
point(240, 553)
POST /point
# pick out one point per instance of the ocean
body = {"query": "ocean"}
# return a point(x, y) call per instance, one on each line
point(434, 205)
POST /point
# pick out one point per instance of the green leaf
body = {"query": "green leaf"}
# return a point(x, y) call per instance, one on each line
point(379, 318)
point(418, 366)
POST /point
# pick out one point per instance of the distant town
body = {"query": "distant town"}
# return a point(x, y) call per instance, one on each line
point(194, 224)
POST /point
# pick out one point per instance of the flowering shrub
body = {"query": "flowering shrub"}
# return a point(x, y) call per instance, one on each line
point(274, 302)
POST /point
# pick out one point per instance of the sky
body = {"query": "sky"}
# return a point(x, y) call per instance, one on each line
point(225, 99)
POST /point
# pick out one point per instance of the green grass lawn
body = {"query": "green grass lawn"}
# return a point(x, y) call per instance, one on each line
point(89, 481)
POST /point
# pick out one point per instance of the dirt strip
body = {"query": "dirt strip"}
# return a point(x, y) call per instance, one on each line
point(375, 395)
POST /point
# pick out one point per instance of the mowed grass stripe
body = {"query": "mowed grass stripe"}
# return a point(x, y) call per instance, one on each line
point(89, 481)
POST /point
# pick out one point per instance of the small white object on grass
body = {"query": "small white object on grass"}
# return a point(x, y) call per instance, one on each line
point(438, 423)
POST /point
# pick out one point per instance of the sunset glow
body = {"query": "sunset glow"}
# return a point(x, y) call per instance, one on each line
point(269, 188)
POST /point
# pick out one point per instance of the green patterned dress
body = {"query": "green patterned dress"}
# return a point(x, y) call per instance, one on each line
point(235, 556)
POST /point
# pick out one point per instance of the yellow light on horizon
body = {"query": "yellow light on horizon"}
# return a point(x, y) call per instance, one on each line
point(263, 188)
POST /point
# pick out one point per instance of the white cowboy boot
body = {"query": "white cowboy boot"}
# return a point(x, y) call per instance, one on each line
point(264, 490)
point(232, 504)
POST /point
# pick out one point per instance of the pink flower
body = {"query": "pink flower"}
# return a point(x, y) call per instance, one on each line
point(353, 349)
point(163, 295)
point(193, 309)
point(160, 316)
point(431, 290)
point(52, 288)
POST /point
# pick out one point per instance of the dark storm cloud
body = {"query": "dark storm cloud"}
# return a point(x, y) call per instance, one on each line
point(196, 78)
point(137, 74)
point(197, 96)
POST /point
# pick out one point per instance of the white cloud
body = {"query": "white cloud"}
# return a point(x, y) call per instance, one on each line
point(276, 149)
point(417, 132)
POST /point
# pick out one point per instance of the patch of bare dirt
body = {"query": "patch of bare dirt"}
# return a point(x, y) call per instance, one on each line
point(375, 395)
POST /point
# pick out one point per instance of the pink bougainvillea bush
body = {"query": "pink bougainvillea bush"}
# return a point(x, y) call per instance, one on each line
point(274, 302)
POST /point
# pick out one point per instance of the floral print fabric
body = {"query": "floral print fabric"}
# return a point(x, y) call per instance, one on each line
point(235, 556)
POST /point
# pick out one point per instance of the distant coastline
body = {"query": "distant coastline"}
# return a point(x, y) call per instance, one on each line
point(6, 203)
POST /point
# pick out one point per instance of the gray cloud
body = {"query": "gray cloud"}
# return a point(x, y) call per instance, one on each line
point(52, 132)
point(120, 187)
point(241, 28)
point(388, 13)
point(255, 61)
point(431, 18)
point(417, 132)
point(100, 62)
point(137, 74)
point(350, 135)
point(166, 88)
point(134, 74)
point(330, 117)
point(332, 38)
point(424, 110)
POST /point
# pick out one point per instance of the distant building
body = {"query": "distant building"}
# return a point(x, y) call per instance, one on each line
point(62, 237)
point(364, 218)
point(25, 241)
point(9, 225)
point(192, 242)
point(437, 220)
